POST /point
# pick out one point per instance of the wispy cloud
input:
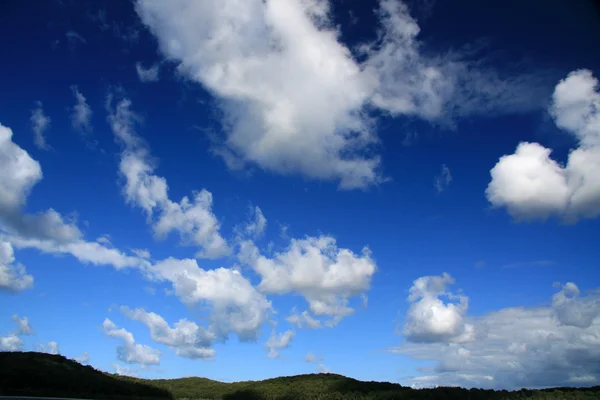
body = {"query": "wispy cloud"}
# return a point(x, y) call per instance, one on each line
point(40, 123)
point(442, 181)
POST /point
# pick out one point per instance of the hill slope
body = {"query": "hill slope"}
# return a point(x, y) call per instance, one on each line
point(38, 374)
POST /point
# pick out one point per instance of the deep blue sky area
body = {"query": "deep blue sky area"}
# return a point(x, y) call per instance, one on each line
point(452, 244)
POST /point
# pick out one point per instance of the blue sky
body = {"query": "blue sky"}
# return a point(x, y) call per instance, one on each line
point(392, 191)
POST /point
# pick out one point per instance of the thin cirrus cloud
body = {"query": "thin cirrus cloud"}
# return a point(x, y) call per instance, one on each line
point(301, 106)
point(533, 186)
point(514, 347)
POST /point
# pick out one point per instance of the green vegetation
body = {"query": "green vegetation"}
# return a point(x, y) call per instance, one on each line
point(45, 375)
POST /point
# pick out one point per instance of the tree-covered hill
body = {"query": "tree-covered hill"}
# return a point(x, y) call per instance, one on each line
point(45, 375)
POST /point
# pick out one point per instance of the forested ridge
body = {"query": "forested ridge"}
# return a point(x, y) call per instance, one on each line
point(46, 375)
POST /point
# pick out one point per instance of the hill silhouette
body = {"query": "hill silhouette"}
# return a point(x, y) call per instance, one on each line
point(46, 375)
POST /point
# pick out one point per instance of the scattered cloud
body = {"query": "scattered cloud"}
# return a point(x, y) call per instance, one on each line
point(314, 267)
point(257, 226)
point(23, 326)
point(276, 342)
point(295, 99)
point(192, 218)
point(83, 359)
point(311, 358)
point(40, 123)
point(81, 113)
point(147, 74)
point(236, 306)
point(304, 319)
point(547, 346)
point(125, 371)
point(186, 338)
point(323, 369)
point(131, 352)
point(13, 277)
point(11, 343)
point(429, 319)
point(442, 181)
point(532, 186)
point(50, 348)
point(480, 264)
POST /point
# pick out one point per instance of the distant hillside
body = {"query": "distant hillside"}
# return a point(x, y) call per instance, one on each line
point(44, 375)
point(47, 375)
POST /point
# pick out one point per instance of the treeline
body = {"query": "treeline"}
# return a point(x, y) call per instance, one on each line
point(47, 375)
point(44, 375)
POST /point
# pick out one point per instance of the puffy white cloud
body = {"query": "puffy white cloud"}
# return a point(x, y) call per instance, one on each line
point(236, 306)
point(533, 186)
point(192, 218)
point(147, 74)
point(570, 309)
point(50, 348)
point(81, 113)
point(83, 359)
point(40, 122)
point(18, 174)
point(442, 181)
point(13, 277)
point(131, 352)
point(314, 267)
point(280, 341)
point(11, 343)
point(297, 101)
point(519, 347)
point(186, 338)
point(311, 358)
point(23, 326)
point(292, 93)
point(429, 319)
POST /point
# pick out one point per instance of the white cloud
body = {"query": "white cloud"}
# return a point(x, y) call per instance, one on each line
point(257, 226)
point(13, 277)
point(571, 309)
point(236, 306)
point(314, 267)
point(292, 93)
point(23, 327)
point(18, 174)
point(429, 319)
point(303, 319)
point(186, 338)
point(280, 341)
point(83, 359)
point(11, 343)
point(40, 122)
point(192, 218)
point(50, 348)
point(147, 74)
point(519, 347)
point(531, 185)
point(131, 352)
point(81, 113)
point(297, 101)
point(442, 181)
point(311, 358)
point(74, 38)
point(125, 371)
